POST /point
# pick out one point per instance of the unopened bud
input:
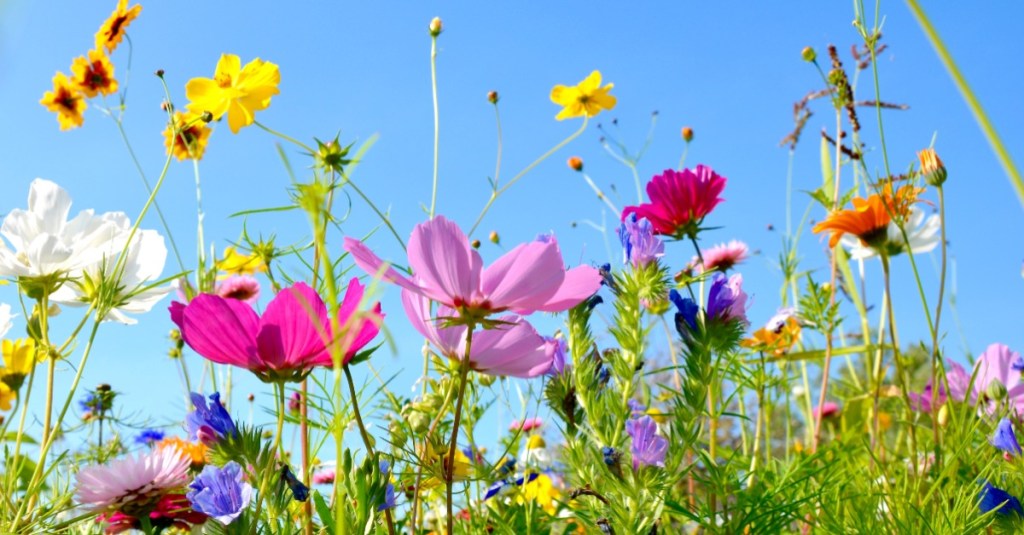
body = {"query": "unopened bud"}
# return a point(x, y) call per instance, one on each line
point(206, 117)
point(943, 415)
point(103, 387)
point(174, 353)
point(808, 54)
point(687, 134)
point(475, 244)
point(436, 27)
point(175, 335)
point(494, 237)
point(492, 97)
point(575, 163)
point(932, 170)
point(251, 398)
point(165, 106)
point(996, 390)
point(159, 73)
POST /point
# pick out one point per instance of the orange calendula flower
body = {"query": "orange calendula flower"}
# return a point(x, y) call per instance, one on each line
point(65, 101)
point(194, 451)
point(234, 90)
point(868, 220)
point(776, 339)
point(113, 28)
point(93, 75)
point(187, 138)
point(586, 98)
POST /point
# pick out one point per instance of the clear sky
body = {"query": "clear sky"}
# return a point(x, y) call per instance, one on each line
point(729, 70)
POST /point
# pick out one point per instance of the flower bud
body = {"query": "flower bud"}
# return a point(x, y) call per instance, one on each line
point(687, 134)
point(996, 390)
point(251, 398)
point(575, 163)
point(808, 54)
point(159, 73)
point(932, 170)
point(495, 239)
point(475, 244)
point(206, 117)
point(943, 415)
point(436, 27)
point(175, 335)
point(492, 97)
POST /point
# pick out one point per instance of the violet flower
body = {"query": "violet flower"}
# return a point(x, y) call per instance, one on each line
point(220, 492)
point(209, 424)
point(1005, 439)
point(639, 245)
point(647, 448)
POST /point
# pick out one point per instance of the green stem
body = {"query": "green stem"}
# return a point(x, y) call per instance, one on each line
point(449, 469)
point(900, 370)
point(285, 137)
point(279, 402)
point(936, 356)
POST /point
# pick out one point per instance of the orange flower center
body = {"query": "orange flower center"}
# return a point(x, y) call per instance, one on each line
point(67, 99)
point(223, 80)
point(115, 27)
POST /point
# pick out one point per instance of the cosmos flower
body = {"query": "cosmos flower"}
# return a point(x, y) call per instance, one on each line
point(639, 245)
point(240, 287)
point(446, 269)
point(113, 29)
point(186, 139)
point(292, 336)
point(19, 359)
point(680, 200)
point(721, 257)
point(997, 383)
point(324, 477)
point(220, 493)
point(869, 219)
point(647, 448)
point(586, 98)
point(131, 484)
point(93, 74)
point(826, 410)
point(236, 91)
point(66, 102)
point(922, 232)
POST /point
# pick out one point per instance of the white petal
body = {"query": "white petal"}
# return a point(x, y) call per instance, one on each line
point(5, 318)
point(50, 203)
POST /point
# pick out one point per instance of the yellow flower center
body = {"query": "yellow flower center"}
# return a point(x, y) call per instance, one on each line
point(223, 80)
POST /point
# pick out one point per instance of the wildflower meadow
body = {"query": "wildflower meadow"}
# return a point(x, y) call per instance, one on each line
point(574, 268)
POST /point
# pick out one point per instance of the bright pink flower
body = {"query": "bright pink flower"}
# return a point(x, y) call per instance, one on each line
point(324, 477)
point(240, 287)
point(529, 278)
point(513, 347)
point(287, 341)
point(680, 200)
point(526, 425)
point(827, 410)
point(721, 257)
point(172, 510)
point(132, 484)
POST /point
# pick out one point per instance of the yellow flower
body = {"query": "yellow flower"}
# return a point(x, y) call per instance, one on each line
point(20, 357)
point(112, 30)
point(541, 490)
point(65, 101)
point(235, 263)
point(462, 469)
point(93, 76)
point(234, 90)
point(190, 140)
point(6, 397)
point(535, 442)
point(585, 98)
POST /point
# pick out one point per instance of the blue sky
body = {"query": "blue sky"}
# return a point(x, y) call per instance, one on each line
point(730, 71)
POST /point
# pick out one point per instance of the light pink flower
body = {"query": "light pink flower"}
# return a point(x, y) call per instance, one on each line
point(526, 425)
point(132, 483)
point(721, 257)
point(680, 200)
point(512, 348)
point(287, 341)
point(529, 278)
point(998, 365)
point(323, 477)
point(241, 287)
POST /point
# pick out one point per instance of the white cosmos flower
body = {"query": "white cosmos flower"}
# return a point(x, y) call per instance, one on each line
point(44, 242)
point(922, 232)
point(143, 263)
point(5, 318)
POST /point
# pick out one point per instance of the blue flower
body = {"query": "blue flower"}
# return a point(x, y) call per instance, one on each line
point(149, 437)
point(389, 491)
point(1018, 363)
point(639, 245)
point(1004, 437)
point(499, 487)
point(647, 448)
point(220, 492)
point(611, 455)
point(726, 299)
point(209, 424)
point(995, 498)
point(686, 312)
point(300, 492)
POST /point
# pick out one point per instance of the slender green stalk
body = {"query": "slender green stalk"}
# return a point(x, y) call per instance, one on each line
point(449, 468)
point(285, 137)
point(437, 127)
point(972, 101)
point(279, 404)
point(936, 356)
point(901, 372)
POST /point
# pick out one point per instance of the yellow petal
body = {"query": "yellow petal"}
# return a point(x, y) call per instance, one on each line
point(590, 83)
point(238, 117)
point(229, 65)
point(559, 95)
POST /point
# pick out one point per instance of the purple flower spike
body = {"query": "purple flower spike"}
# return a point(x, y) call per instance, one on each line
point(209, 424)
point(648, 449)
point(639, 245)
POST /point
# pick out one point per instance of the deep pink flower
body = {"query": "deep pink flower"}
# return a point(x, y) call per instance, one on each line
point(240, 287)
point(287, 341)
point(173, 510)
point(721, 257)
point(512, 347)
point(680, 200)
point(526, 425)
point(446, 269)
point(826, 410)
point(323, 477)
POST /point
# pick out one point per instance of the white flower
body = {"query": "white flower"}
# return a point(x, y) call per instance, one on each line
point(5, 318)
point(922, 233)
point(142, 265)
point(45, 243)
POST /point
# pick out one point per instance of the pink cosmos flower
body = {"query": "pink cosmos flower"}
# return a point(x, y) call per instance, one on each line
point(446, 269)
point(997, 380)
point(287, 341)
point(132, 485)
point(512, 348)
point(240, 287)
point(826, 410)
point(680, 200)
point(721, 257)
point(526, 425)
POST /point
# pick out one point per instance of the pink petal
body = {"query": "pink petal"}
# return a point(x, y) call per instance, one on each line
point(525, 278)
point(515, 350)
point(359, 330)
point(449, 342)
point(222, 330)
point(293, 329)
point(372, 264)
point(446, 267)
point(580, 283)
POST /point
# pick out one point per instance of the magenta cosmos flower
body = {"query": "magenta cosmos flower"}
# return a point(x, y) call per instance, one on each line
point(529, 278)
point(133, 485)
point(511, 348)
point(680, 200)
point(287, 341)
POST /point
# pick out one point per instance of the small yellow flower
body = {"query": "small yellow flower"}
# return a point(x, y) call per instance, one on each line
point(234, 90)
point(113, 28)
point(93, 76)
point(20, 357)
point(535, 442)
point(585, 98)
point(65, 101)
point(235, 263)
point(6, 397)
point(541, 490)
point(192, 136)
point(462, 469)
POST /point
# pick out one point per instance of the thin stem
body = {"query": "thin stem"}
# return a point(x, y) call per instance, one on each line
point(497, 161)
point(384, 218)
point(367, 440)
point(972, 101)
point(437, 128)
point(900, 371)
point(936, 357)
point(600, 194)
point(285, 137)
point(453, 443)
point(682, 159)
point(280, 404)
